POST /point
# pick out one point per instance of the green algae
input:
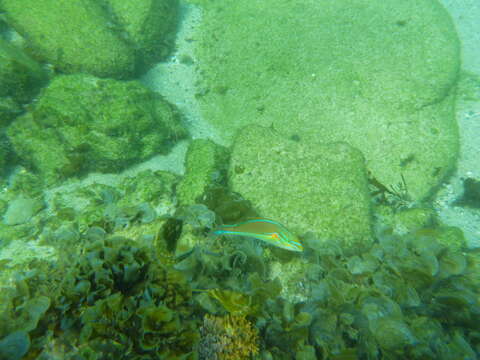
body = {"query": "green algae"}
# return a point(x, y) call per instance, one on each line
point(111, 294)
point(205, 165)
point(112, 125)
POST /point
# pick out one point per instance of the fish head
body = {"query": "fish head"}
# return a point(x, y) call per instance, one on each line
point(290, 242)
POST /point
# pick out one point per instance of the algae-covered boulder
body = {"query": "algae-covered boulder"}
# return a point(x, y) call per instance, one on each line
point(379, 75)
point(75, 36)
point(81, 123)
point(9, 108)
point(102, 38)
point(149, 24)
point(205, 164)
point(20, 77)
point(4, 150)
point(321, 189)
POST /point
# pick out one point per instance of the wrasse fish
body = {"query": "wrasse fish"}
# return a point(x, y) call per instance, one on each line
point(266, 230)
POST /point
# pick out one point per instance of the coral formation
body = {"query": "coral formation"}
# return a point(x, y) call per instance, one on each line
point(227, 338)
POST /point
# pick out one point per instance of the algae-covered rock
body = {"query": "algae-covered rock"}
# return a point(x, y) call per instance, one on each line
point(76, 36)
point(20, 76)
point(4, 151)
point(205, 164)
point(81, 123)
point(9, 108)
point(320, 190)
point(471, 194)
point(379, 75)
point(149, 24)
point(155, 188)
point(105, 39)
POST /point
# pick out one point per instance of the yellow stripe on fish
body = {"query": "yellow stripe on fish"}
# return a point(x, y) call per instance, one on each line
point(270, 231)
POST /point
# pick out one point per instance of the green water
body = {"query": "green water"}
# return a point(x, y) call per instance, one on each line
point(131, 132)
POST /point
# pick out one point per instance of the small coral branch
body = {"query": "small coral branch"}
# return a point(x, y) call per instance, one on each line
point(227, 338)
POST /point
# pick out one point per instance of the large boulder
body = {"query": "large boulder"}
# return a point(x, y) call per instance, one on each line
point(103, 38)
point(20, 77)
point(379, 75)
point(81, 123)
point(205, 164)
point(318, 191)
point(150, 25)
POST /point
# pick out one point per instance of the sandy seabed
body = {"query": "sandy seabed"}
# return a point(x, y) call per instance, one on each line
point(176, 81)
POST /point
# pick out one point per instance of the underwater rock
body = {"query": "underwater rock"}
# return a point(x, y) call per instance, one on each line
point(323, 189)
point(20, 75)
point(76, 37)
point(229, 206)
point(471, 194)
point(112, 125)
point(150, 25)
point(449, 236)
point(104, 39)
point(9, 109)
point(205, 166)
point(379, 75)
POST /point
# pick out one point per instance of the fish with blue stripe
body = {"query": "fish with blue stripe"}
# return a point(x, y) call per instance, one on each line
point(270, 231)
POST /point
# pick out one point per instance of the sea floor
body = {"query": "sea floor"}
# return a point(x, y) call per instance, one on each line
point(465, 15)
point(176, 80)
